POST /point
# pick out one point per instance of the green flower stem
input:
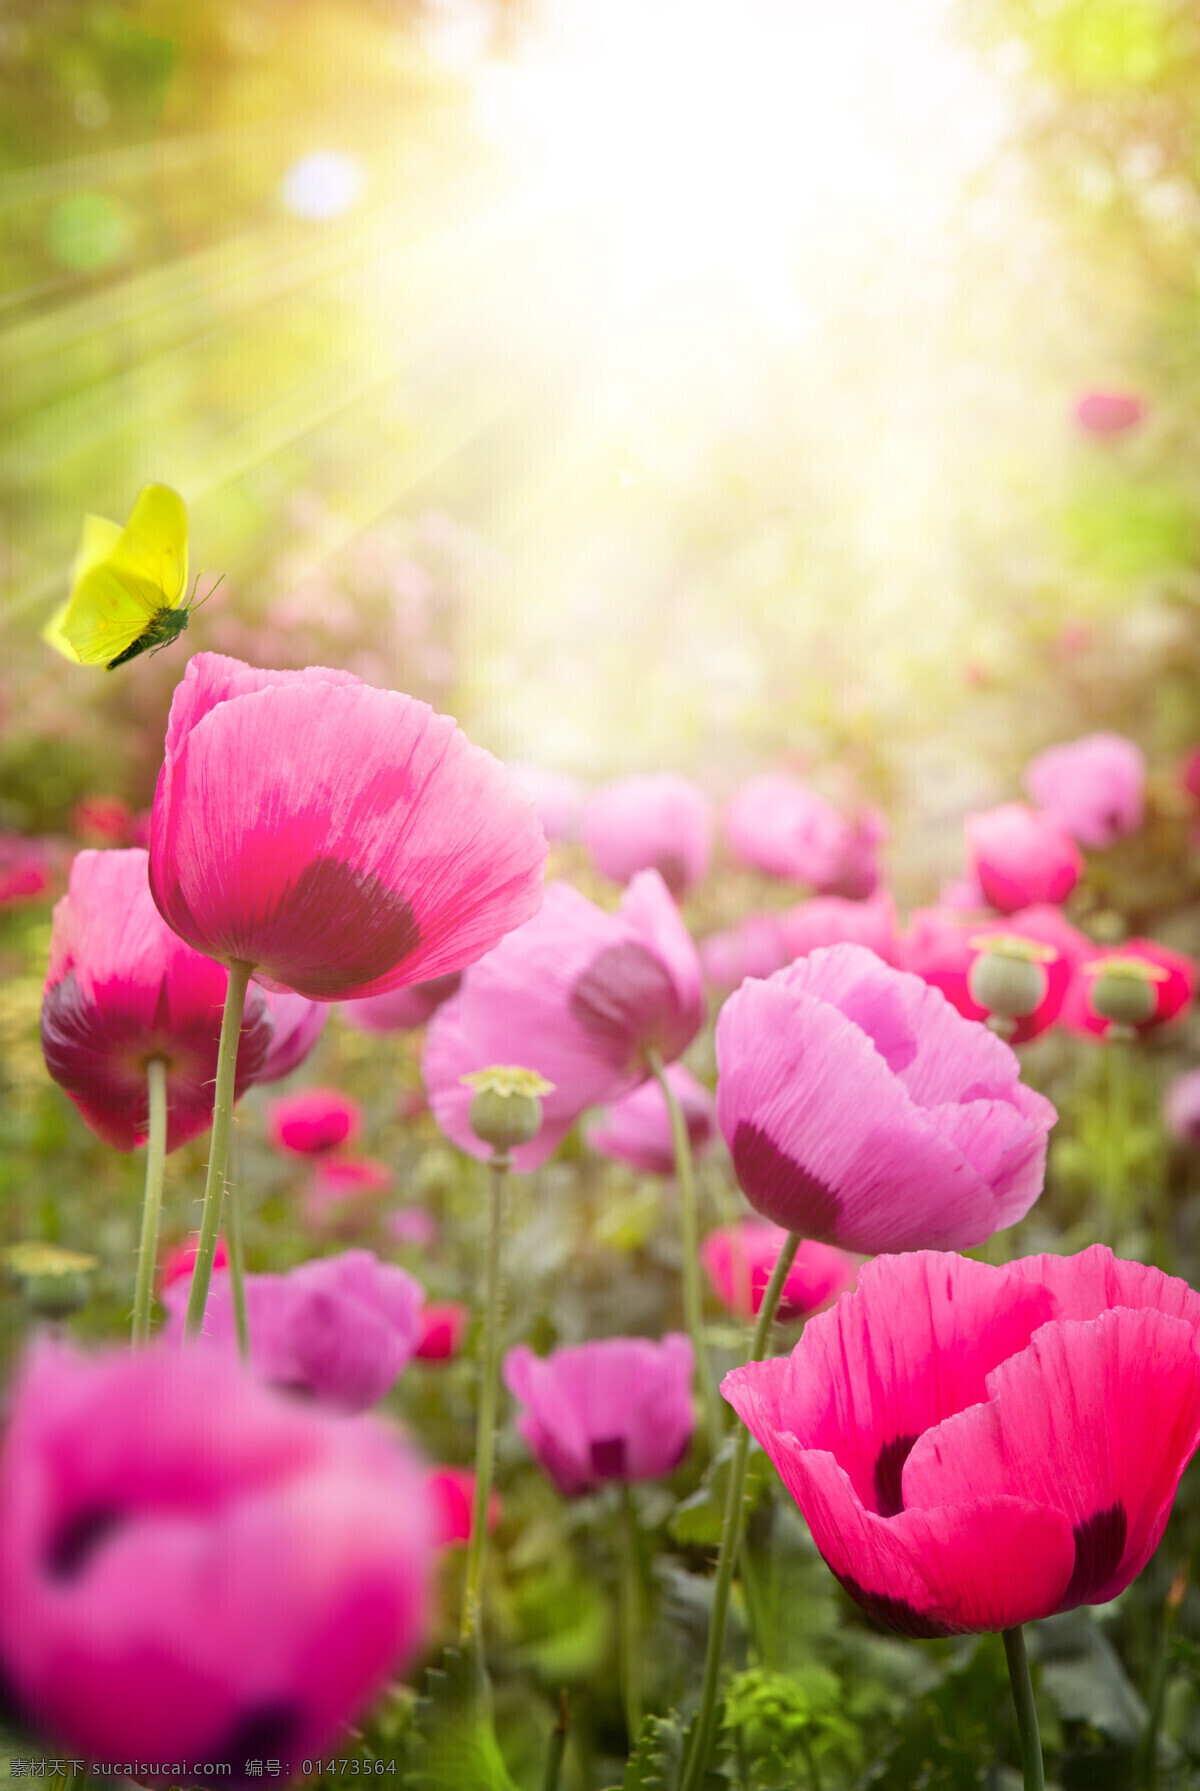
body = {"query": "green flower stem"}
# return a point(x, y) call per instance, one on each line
point(156, 1162)
point(1158, 1681)
point(218, 1149)
point(631, 1617)
point(237, 1270)
point(731, 1539)
point(1027, 1723)
point(489, 1379)
point(1117, 1067)
point(557, 1746)
point(714, 1423)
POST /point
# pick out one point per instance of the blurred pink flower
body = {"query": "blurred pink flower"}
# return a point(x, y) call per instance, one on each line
point(832, 920)
point(121, 988)
point(101, 821)
point(777, 824)
point(559, 797)
point(182, 1260)
point(453, 1494)
point(1189, 775)
point(656, 821)
point(577, 995)
point(637, 1129)
point(360, 842)
point(348, 1178)
point(975, 1447)
point(1109, 413)
point(738, 1260)
point(1095, 786)
point(313, 1121)
point(942, 944)
point(1170, 977)
point(192, 1568)
point(400, 1010)
point(751, 947)
point(27, 869)
point(338, 1328)
point(443, 1324)
point(862, 1110)
point(616, 1410)
point(299, 1023)
point(1181, 1108)
point(413, 1225)
point(1021, 855)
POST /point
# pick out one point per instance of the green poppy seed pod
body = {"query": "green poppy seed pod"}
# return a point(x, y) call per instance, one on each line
point(1007, 985)
point(506, 1111)
point(1125, 992)
point(54, 1282)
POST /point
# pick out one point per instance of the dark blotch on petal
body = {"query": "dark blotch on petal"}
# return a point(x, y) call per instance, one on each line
point(889, 1465)
point(623, 999)
point(440, 988)
point(781, 1188)
point(262, 1731)
point(672, 868)
point(608, 1458)
point(1099, 1545)
point(77, 1540)
point(893, 1613)
point(15, 1714)
point(338, 926)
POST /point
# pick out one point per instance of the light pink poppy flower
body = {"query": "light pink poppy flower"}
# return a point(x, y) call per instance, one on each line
point(738, 1260)
point(341, 839)
point(299, 1023)
point(338, 1328)
point(595, 1412)
point(860, 1109)
point(751, 947)
point(1021, 856)
point(657, 821)
point(976, 1447)
point(1095, 786)
point(559, 796)
point(637, 1129)
point(776, 823)
point(1181, 1108)
point(832, 920)
point(577, 995)
point(1109, 413)
point(121, 988)
point(443, 1325)
point(313, 1121)
point(942, 944)
point(193, 1568)
point(400, 1010)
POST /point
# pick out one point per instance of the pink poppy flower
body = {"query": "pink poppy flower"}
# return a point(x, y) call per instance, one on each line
point(313, 1120)
point(738, 1260)
point(559, 797)
point(616, 1410)
point(453, 1493)
point(976, 1447)
point(1021, 856)
point(1167, 976)
point(340, 1185)
point(659, 822)
point(299, 1023)
point(443, 1323)
point(413, 1225)
point(1109, 413)
point(400, 1010)
point(832, 920)
point(192, 1568)
point(1181, 1108)
point(576, 995)
point(860, 1109)
point(637, 1129)
point(751, 947)
point(1096, 787)
point(27, 869)
point(182, 1260)
point(942, 944)
point(360, 841)
point(1189, 775)
point(776, 823)
point(102, 821)
point(121, 988)
point(338, 1328)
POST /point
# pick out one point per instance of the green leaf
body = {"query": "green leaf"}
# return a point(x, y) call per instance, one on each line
point(455, 1745)
point(698, 1519)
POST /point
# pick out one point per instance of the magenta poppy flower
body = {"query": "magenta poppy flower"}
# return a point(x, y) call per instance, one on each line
point(348, 1178)
point(102, 821)
point(338, 1328)
point(1181, 1108)
point(738, 1260)
point(1021, 856)
point(122, 988)
point(192, 1568)
point(1189, 773)
point(1109, 413)
point(659, 822)
point(559, 797)
point(860, 1109)
point(576, 994)
point(975, 1447)
point(180, 1261)
point(313, 1121)
point(942, 944)
point(616, 1410)
point(1096, 787)
point(443, 1325)
point(452, 1491)
point(400, 1010)
point(751, 947)
point(299, 1023)
point(359, 841)
point(832, 920)
point(1168, 977)
point(637, 1129)
point(28, 869)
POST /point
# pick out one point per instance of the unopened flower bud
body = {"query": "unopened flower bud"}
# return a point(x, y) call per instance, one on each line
point(1008, 978)
point(1125, 990)
point(506, 1110)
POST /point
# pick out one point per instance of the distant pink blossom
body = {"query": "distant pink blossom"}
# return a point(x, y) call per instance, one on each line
point(413, 1225)
point(1021, 856)
point(182, 1260)
point(313, 1121)
point(1094, 785)
point(28, 869)
point(349, 1178)
point(443, 1324)
point(738, 1260)
point(1107, 413)
point(942, 944)
point(400, 1010)
point(559, 796)
point(299, 1023)
point(101, 821)
point(453, 1494)
point(657, 821)
point(1181, 1108)
point(1171, 978)
point(751, 947)
point(776, 823)
point(637, 1129)
point(832, 920)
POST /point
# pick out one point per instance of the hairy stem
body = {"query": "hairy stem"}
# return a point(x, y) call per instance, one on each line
point(218, 1149)
point(1027, 1722)
point(489, 1379)
point(156, 1161)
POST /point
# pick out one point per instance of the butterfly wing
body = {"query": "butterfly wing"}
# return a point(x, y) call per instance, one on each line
point(124, 582)
point(153, 544)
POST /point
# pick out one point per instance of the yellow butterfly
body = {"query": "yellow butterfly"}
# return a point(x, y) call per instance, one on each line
point(127, 584)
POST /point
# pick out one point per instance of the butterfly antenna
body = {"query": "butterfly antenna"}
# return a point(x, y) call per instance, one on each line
point(195, 602)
